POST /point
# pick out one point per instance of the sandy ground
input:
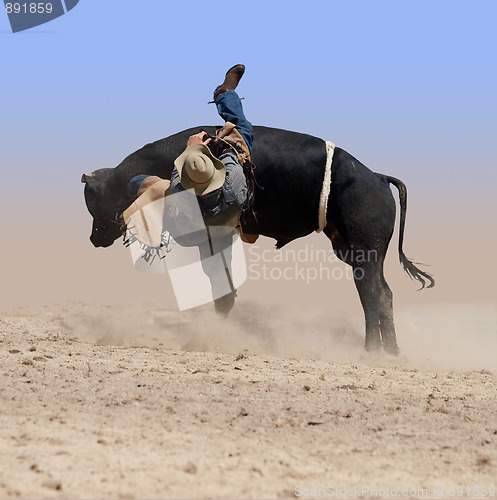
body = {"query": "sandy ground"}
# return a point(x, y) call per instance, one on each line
point(97, 401)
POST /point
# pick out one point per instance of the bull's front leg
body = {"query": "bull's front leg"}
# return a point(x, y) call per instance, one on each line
point(223, 305)
point(215, 254)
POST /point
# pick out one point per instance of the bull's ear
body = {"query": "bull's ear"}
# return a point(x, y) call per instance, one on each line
point(86, 177)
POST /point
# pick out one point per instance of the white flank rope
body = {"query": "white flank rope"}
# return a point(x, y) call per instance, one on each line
point(325, 190)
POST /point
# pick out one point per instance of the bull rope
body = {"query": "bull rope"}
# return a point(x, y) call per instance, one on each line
point(325, 189)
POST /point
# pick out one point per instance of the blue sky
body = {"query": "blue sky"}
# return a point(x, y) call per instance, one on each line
point(374, 77)
point(149, 67)
point(407, 87)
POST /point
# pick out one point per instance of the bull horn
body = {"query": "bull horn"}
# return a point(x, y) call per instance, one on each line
point(85, 177)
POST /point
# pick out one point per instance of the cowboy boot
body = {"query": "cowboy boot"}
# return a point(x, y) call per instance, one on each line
point(231, 80)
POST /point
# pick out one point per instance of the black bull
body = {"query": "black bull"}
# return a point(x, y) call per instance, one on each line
point(290, 169)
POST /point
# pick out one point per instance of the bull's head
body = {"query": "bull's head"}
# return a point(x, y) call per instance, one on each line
point(104, 202)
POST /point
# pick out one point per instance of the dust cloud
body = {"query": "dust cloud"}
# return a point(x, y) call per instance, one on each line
point(439, 336)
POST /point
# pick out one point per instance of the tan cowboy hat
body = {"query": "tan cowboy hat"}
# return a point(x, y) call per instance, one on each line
point(200, 170)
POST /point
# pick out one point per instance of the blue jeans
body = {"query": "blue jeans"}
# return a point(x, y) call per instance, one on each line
point(230, 109)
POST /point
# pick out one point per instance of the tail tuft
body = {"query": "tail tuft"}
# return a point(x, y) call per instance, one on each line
point(412, 271)
point(416, 274)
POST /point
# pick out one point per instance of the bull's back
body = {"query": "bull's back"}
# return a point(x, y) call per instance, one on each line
point(289, 173)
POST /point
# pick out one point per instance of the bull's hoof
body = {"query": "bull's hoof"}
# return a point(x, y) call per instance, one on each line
point(373, 345)
point(224, 304)
point(393, 350)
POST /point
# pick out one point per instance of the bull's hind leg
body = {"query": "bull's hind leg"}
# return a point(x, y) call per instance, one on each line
point(368, 283)
point(386, 317)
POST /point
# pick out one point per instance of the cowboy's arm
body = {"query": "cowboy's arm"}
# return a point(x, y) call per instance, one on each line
point(197, 139)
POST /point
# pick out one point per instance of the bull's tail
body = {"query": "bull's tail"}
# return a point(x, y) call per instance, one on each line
point(414, 273)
